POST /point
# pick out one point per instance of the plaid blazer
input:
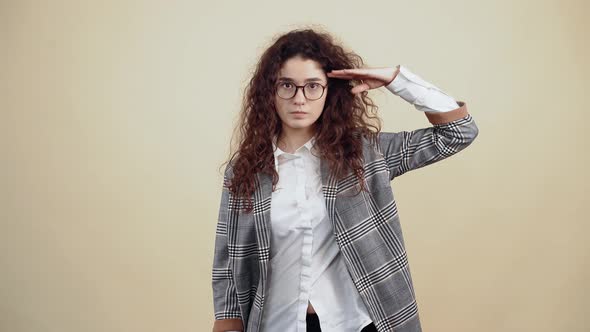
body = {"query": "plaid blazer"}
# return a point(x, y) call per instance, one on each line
point(366, 228)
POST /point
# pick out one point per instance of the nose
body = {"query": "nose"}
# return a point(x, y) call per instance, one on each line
point(299, 97)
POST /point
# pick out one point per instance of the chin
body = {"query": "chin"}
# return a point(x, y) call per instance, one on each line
point(299, 125)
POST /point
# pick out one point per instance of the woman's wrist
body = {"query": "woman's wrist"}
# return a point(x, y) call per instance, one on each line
point(395, 72)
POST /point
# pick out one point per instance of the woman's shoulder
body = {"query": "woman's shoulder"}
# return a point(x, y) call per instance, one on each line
point(228, 172)
point(368, 137)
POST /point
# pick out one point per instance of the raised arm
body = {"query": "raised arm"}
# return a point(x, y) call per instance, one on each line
point(450, 133)
point(452, 130)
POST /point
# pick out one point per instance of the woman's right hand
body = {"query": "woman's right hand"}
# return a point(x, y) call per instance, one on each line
point(371, 78)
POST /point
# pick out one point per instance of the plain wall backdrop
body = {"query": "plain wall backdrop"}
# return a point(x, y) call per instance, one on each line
point(116, 115)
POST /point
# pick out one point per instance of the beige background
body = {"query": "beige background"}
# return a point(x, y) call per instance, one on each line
point(116, 116)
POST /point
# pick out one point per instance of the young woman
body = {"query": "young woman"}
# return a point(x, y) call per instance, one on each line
point(308, 236)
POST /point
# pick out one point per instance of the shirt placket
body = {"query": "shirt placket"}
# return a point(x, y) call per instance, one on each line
point(307, 243)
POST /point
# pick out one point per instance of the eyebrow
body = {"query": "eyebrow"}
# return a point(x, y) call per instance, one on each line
point(313, 79)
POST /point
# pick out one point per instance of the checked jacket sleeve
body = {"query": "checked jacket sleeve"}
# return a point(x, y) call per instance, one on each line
point(225, 300)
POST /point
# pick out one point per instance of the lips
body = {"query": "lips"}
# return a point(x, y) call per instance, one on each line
point(298, 115)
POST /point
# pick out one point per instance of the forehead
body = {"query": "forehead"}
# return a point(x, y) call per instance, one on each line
point(301, 70)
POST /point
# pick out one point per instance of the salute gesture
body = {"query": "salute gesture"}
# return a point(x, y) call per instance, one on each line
point(371, 78)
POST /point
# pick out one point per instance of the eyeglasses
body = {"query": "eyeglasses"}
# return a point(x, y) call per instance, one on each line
point(311, 90)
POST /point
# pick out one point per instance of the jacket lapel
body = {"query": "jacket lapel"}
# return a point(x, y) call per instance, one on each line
point(329, 188)
point(261, 216)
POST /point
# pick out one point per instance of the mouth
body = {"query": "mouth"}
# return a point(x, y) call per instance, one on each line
point(298, 112)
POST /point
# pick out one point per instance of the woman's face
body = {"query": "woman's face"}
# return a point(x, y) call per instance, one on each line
point(297, 71)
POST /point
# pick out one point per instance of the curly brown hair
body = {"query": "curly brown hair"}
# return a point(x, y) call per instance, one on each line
point(346, 117)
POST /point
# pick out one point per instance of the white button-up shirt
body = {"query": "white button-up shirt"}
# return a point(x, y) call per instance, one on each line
point(305, 261)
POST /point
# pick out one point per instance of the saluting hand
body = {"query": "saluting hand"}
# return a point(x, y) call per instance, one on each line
point(371, 78)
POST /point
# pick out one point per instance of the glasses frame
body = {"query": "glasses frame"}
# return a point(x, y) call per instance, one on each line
point(302, 88)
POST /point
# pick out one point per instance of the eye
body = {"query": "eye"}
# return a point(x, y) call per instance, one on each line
point(313, 85)
point(286, 85)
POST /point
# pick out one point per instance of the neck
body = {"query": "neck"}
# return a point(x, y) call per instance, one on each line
point(292, 139)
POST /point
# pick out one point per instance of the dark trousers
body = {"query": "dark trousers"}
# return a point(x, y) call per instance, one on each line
point(313, 324)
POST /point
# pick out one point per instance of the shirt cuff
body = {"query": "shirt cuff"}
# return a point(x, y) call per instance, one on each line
point(423, 95)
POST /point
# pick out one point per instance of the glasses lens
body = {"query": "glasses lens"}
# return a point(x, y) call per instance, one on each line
point(313, 90)
point(286, 90)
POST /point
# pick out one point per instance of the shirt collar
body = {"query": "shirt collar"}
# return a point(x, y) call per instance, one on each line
point(277, 151)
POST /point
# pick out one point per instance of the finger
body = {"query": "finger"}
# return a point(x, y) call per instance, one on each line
point(360, 88)
point(346, 76)
point(340, 74)
point(351, 71)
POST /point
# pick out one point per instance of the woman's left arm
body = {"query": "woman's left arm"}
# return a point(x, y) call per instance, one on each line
point(452, 130)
